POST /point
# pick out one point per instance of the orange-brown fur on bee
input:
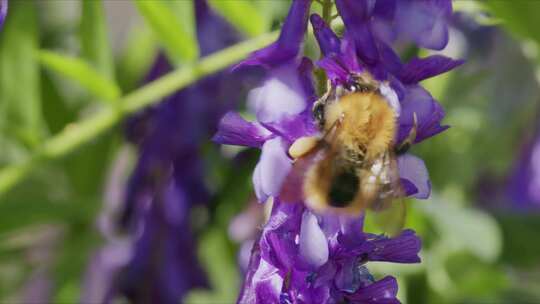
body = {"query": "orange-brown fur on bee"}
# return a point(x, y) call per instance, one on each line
point(367, 123)
point(360, 129)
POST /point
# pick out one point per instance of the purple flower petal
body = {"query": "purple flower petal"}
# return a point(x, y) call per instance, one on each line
point(262, 283)
point(301, 290)
point(313, 246)
point(408, 187)
point(382, 291)
point(356, 16)
point(337, 73)
point(383, 20)
point(339, 59)
point(419, 69)
point(348, 278)
point(413, 169)
point(272, 169)
point(424, 22)
point(401, 249)
point(429, 113)
point(327, 39)
point(305, 73)
point(101, 270)
point(207, 21)
point(282, 94)
point(389, 58)
point(257, 185)
point(523, 183)
point(283, 123)
point(287, 47)
point(234, 130)
point(279, 242)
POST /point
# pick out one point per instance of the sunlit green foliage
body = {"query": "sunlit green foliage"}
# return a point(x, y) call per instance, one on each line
point(472, 252)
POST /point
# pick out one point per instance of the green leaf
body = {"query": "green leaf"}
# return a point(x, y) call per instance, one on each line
point(136, 58)
point(520, 17)
point(81, 72)
point(474, 279)
point(243, 15)
point(84, 131)
point(276, 10)
point(216, 255)
point(184, 11)
point(17, 214)
point(80, 242)
point(520, 231)
point(180, 46)
point(466, 229)
point(20, 102)
point(57, 114)
point(95, 44)
point(87, 168)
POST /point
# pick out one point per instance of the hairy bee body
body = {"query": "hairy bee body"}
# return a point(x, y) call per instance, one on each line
point(352, 168)
point(367, 124)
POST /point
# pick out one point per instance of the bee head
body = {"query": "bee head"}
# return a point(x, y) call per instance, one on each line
point(359, 87)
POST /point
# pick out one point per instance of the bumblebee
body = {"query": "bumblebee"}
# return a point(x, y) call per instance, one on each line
point(352, 165)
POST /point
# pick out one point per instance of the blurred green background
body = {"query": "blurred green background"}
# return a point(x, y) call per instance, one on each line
point(63, 61)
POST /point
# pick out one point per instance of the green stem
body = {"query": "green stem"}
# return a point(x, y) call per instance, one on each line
point(327, 11)
point(327, 17)
point(79, 133)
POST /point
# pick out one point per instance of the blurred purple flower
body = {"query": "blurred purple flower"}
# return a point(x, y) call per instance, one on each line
point(287, 47)
point(523, 185)
point(373, 25)
point(3, 11)
point(160, 265)
point(244, 230)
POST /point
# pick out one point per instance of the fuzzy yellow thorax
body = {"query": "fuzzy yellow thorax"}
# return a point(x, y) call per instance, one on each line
point(367, 123)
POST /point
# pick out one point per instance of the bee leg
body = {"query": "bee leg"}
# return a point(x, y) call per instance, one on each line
point(409, 140)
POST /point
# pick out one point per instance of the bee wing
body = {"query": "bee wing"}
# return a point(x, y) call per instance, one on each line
point(390, 220)
point(387, 210)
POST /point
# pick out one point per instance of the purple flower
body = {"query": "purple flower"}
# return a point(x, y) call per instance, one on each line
point(3, 11)
point(287, 47)
point(304, 258)
point(307, 257)
point(102, 272)
point(341, 64)
point(373, 24)
point(523, 185)
point(282, 105)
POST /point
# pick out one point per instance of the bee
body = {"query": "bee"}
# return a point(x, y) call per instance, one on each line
point(352, 166)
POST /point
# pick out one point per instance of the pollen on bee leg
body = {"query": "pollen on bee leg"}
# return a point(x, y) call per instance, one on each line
point(302, 146)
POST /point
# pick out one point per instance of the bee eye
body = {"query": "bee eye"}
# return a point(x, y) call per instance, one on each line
point(353, 87)
point(343, 189)
point(364, 88)
point(318, 113)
